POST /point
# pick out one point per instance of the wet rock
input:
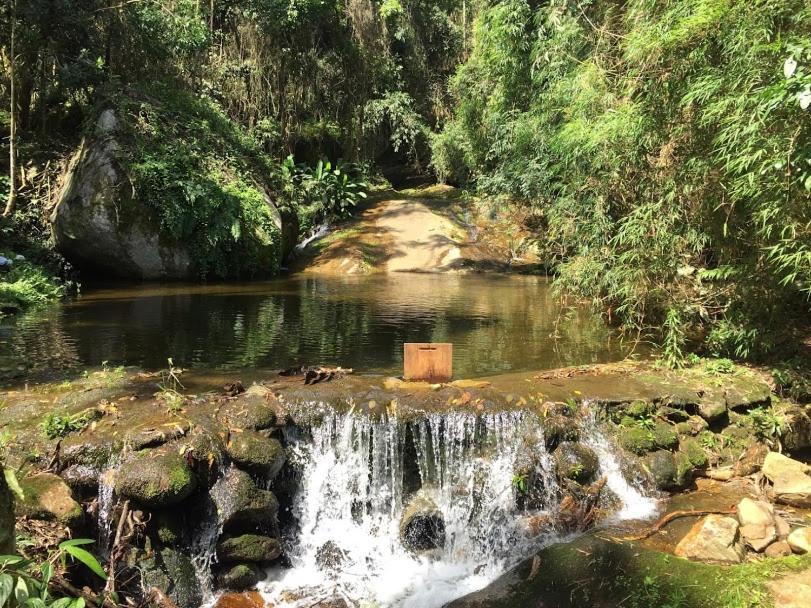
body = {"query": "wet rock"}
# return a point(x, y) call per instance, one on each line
point(575, 461)
point(6, 516)
point(168, 526)
point(155, 479)
point(48, 497)
point(251, 410)
point(751, 461)
point(239, 577)
point(800, 540)
point(330, 556)
point(746, 392)
point(250, 599)
point(422, 526)
point(87, 450)
point(558, 428)
point(778, 549)
point(241, 506)
point(639, 408)
point(714, 539)
point(576, 511)
point(662, 467)
point(637, 440)
point(185, 589)
point(790, 478)
point(81, 477)
point(248, 548)
point(257, 453)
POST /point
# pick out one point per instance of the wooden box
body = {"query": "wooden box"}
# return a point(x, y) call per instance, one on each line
point(428, 362)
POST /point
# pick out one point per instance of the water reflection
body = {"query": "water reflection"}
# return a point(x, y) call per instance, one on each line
point(496, 323)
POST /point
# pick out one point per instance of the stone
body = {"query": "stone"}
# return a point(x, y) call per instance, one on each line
point(792, 590)
point(251, 410)
point(6, 516)
point(782, 527)
point(751, 461)
point(255, 452)
point(168, 526)
point(637, 440)
point(665, 435)
point(745, 392)
point(81, 477)
point(48, 497)
point(239, 577)
point(422, 526)
point(714, 539)
point(779, 548)
point(712, 406)
point(720, 473)
point(241, 506)
point(558, 428)
point(662, 467)
point(796, 428)
point(248, 548)
point(790, 479)
point(575, 461)
point(185, 589)
point(758, 537)
point(755, 513)
point(800, 540)
point(248, 599)
point(330, 556)
point(155, 479)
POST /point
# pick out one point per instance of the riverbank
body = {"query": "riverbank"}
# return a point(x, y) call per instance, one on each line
point(153, 441)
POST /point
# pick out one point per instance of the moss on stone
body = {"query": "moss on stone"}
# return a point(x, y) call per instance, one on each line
point(155, 480)
point(665, 435)
point(695, 453)
point(639, 408)
point(637, 440)
point(248, 548)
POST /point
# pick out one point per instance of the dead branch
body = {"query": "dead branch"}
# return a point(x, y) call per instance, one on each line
point(672, 516)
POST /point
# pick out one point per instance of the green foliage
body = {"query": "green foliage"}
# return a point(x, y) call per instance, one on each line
point(59, 425)
point(200, 175)
point(767, 423)
point(666, 146)
point(25, 584)
point(26, 285)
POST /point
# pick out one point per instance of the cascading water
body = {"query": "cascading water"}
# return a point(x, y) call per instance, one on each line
point(356, 483)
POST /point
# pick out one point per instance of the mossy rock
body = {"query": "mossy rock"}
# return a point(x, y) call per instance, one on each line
point(575, 461)
point(662, 467)
point(172, 572)
point(241, 506)
point(695, 453)
point(673, 414)
point(239, 577)
point(558, 428)
point(639, 409)
point(248, 548)
point(168, 527)
point(48, 497)
point(255, 452)
point(250, 410)
point(665, 436)
point(637, 440)
point(684, 470)
point(155, 480)
point(746, 392)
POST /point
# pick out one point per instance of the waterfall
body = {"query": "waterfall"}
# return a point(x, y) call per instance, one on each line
point(356, 481)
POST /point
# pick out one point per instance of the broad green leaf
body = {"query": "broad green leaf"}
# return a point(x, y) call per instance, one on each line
point(6, 587)
point(10, 560)
point(20, 591)
point(75, 542)
point(87, 559)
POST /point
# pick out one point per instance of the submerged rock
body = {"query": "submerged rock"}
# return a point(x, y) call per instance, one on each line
point(330, 556)
point(714, 539)
point(257, 453)
point(155, 480)
point(422, 525)
point(241, 506)
point(248, 548)
point(48, 497)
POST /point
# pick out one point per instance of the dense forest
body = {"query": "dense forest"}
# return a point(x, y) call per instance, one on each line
point(661, 149)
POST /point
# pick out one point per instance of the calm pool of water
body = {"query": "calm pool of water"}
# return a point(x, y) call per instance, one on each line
point(496, 323)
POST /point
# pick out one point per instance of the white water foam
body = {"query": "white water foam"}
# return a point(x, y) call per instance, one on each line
point(352, 497)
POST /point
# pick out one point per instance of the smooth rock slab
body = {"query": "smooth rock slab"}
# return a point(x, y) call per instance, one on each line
point(155, 480)
point(714, 539)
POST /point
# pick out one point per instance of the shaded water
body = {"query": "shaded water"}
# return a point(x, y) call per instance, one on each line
point(497, 324)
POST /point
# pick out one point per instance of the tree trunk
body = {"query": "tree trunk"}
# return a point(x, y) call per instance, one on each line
point(11, 203)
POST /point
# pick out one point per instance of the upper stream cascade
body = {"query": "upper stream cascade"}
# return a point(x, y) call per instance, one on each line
point(358, 474)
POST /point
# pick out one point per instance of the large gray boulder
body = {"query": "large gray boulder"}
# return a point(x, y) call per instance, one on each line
point(97, 221)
